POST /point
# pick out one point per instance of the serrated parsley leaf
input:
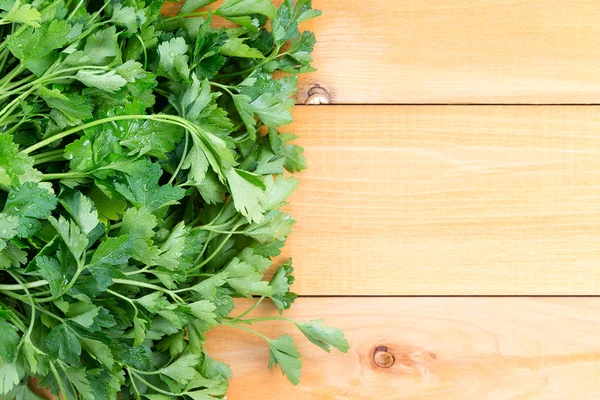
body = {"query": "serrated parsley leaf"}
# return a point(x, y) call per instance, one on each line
point(281, 283)
point(275, 226)
point(128, 17)
point(71, 234)
point(81, 209)
point(9, 342)
point(29, 203)
point(75, 107)
point(246, 280)
point(62, 343)
point(22, 13)
point(248, 197)
point(183, 369)
point(235, 47)
point(108, 81)
point(142, 189)
point(14, 166)
point(36, 47)
point(284, 353)
point(323, 336)
point(139, 224)
point(237, 8)
point(113, 251)
point(173, 59)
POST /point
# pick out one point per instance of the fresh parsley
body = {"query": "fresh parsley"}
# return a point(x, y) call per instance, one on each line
point(142, 176)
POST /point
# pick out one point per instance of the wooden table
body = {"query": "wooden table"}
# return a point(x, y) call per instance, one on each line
point(459, 157)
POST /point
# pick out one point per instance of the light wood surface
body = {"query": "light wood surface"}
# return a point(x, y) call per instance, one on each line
point(444, 349)
point(438, 200)
point(456, 51)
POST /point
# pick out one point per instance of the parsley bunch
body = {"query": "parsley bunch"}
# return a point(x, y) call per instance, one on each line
point(141, 181)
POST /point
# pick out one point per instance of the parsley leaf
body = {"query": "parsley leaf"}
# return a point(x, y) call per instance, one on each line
point(284, 353)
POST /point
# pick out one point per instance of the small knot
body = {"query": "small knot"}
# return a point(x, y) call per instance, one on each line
point(317, 94)
point(383, 358)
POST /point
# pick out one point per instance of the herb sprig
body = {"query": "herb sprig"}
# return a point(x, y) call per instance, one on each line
point(141, 186)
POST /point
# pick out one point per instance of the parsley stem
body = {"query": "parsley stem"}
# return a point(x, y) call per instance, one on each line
point(135, 389)
point(155, 117)
point(51, 153)
point(243, 328)
point(65, 175)
point(249, 310)
point(274, 54)
point(141, 271)
point(80, 269)
point(217, 250)
point(188, 15)
point(154, 387)
point(148, 286)
point(61, 384)
point(21, 83)
point(56, 317)
point(4, 57)
point(210, 229)
point(24, 286)
point(75, 9)
point(11, 75)
point(224, 87)
point(263, 319)
point(32, 305)
point(183, 157)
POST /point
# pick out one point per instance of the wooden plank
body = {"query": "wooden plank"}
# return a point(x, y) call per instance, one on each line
point(456, 51)
point(444, 349)
point(430, 200)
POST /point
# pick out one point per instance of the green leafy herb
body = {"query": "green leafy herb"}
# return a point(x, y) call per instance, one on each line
point(141, 181)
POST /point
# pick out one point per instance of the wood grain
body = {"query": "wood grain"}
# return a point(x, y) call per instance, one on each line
point(443, 349)
point(443, 200)
point(456, 51)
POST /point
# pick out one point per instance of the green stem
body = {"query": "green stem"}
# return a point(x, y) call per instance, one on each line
point(159, 390)
point(188, 15)
point(32, 305)
point(207, 260)
point(65, 175)
point(56, 317)
point(61, 384)
point(27, 81)
point(248, 311)
point(224, 87)
point(274, 54)
point(14, 103)
point(156, 117)
point(24, 286)
point(11, 75)
point(263, 319)
point(148, 286)
point(243, 328)
point(43, 160)
point(141, 271)
point(13, 295)
point(48, 154)
point(4, 57)
point(80, 269)
point(183, 157)
point(135, 389)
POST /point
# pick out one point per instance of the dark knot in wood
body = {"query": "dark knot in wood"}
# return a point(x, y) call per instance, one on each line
point(317, 94)
point(383, 358)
